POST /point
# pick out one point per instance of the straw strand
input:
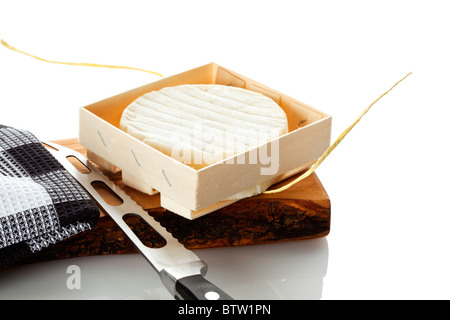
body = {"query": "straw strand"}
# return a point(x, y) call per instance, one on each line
point(334, 145)
point(85, 64)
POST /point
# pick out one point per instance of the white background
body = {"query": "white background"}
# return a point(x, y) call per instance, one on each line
point(388, 180)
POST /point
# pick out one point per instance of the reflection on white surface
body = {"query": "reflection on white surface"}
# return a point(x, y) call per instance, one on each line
point(291, 270)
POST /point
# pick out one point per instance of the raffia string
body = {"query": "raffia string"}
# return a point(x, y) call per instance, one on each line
point(85, 64)
point(334, 145)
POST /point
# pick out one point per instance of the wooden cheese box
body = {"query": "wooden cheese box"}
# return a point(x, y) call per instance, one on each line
point(191, 192)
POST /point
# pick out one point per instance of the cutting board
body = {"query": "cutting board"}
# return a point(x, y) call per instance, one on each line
point(300, 212)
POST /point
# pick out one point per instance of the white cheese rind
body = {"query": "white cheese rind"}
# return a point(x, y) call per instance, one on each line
point(203, 124)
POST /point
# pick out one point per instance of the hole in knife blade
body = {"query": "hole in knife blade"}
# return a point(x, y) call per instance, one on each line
point(107, 193)
point(80, 166)
point(145, 233)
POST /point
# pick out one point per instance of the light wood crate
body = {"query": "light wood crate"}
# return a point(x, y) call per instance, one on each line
point(183, 189)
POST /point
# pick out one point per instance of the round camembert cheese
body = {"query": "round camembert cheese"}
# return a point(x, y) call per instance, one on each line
point(203, 124)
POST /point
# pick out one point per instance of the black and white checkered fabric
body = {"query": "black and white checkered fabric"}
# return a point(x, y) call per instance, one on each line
point(40, 202)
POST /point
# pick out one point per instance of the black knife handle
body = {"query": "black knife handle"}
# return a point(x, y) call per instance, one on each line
point(198, 288)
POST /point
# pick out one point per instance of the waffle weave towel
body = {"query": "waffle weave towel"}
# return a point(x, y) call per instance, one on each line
point(40, 202)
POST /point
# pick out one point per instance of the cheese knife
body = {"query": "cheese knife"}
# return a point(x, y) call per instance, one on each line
point(179, 269)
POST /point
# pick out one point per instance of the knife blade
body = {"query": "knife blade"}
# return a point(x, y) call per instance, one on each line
point(180, 270)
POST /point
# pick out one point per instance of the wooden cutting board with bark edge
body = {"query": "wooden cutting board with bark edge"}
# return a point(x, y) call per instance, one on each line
point(301, 212)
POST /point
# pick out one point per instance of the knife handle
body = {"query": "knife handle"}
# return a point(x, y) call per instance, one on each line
point(198, 288)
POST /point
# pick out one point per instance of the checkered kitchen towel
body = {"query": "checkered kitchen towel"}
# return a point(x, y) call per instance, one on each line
point(40, 202)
